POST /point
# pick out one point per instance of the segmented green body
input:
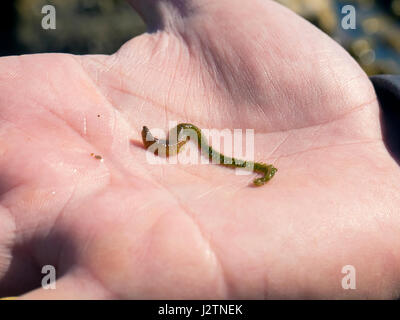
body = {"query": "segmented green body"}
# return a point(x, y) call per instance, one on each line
point(176, 141)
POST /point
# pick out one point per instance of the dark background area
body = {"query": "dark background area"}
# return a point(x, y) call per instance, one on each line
point(83, 26)
point(102, 26)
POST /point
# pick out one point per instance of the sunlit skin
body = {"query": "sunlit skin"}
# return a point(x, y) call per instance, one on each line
point(178, 137)
point(119, 227)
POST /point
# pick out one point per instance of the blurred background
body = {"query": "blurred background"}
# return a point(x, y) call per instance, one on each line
point(102, 26)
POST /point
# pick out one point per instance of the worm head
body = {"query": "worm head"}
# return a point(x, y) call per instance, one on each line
point(147, 137)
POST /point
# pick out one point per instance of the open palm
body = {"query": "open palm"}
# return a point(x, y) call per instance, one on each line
point(119, 227)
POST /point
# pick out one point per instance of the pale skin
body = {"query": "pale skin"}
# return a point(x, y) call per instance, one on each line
point(118, 227)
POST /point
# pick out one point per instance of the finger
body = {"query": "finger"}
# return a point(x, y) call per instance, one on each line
point(15, 268)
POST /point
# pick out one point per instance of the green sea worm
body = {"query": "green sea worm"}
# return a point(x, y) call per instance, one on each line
point(177, 140)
